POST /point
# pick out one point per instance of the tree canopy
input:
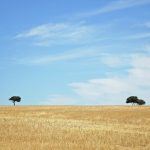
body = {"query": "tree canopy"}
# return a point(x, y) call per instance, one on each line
point(15, 99)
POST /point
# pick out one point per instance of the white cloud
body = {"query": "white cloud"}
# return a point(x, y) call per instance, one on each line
point(62, 33)
point(96, 88)
point(115, 5)
point(116, 89)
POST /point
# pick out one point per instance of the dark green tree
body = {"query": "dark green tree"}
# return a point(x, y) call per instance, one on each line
point(15, 99)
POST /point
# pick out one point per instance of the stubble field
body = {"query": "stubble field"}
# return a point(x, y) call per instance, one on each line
point(75, 128)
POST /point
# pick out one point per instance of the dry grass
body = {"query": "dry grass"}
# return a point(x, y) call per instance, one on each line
point(75, 128)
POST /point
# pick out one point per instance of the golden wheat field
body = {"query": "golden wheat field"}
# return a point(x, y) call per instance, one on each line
point(75, 128)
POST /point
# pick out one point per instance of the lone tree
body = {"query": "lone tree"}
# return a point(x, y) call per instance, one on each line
point(135, 100)
point(132, 99)
point(15, 99)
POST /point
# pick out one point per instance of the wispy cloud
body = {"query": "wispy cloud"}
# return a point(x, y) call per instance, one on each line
point(114, 6)
point(148, 24)
point(62, 33)
point(139, 36)
point(66, 56)
point(145, 34)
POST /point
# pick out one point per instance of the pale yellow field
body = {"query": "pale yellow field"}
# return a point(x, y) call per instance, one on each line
point(75, 128)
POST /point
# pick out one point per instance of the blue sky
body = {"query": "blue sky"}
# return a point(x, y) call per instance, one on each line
point(74, 52)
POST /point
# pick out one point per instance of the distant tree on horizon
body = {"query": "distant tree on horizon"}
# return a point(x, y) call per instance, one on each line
point(135, 100)
point(15, 99)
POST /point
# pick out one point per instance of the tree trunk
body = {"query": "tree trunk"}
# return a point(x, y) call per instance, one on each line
point(14, 103)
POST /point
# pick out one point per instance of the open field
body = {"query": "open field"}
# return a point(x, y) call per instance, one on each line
point(75, 128)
